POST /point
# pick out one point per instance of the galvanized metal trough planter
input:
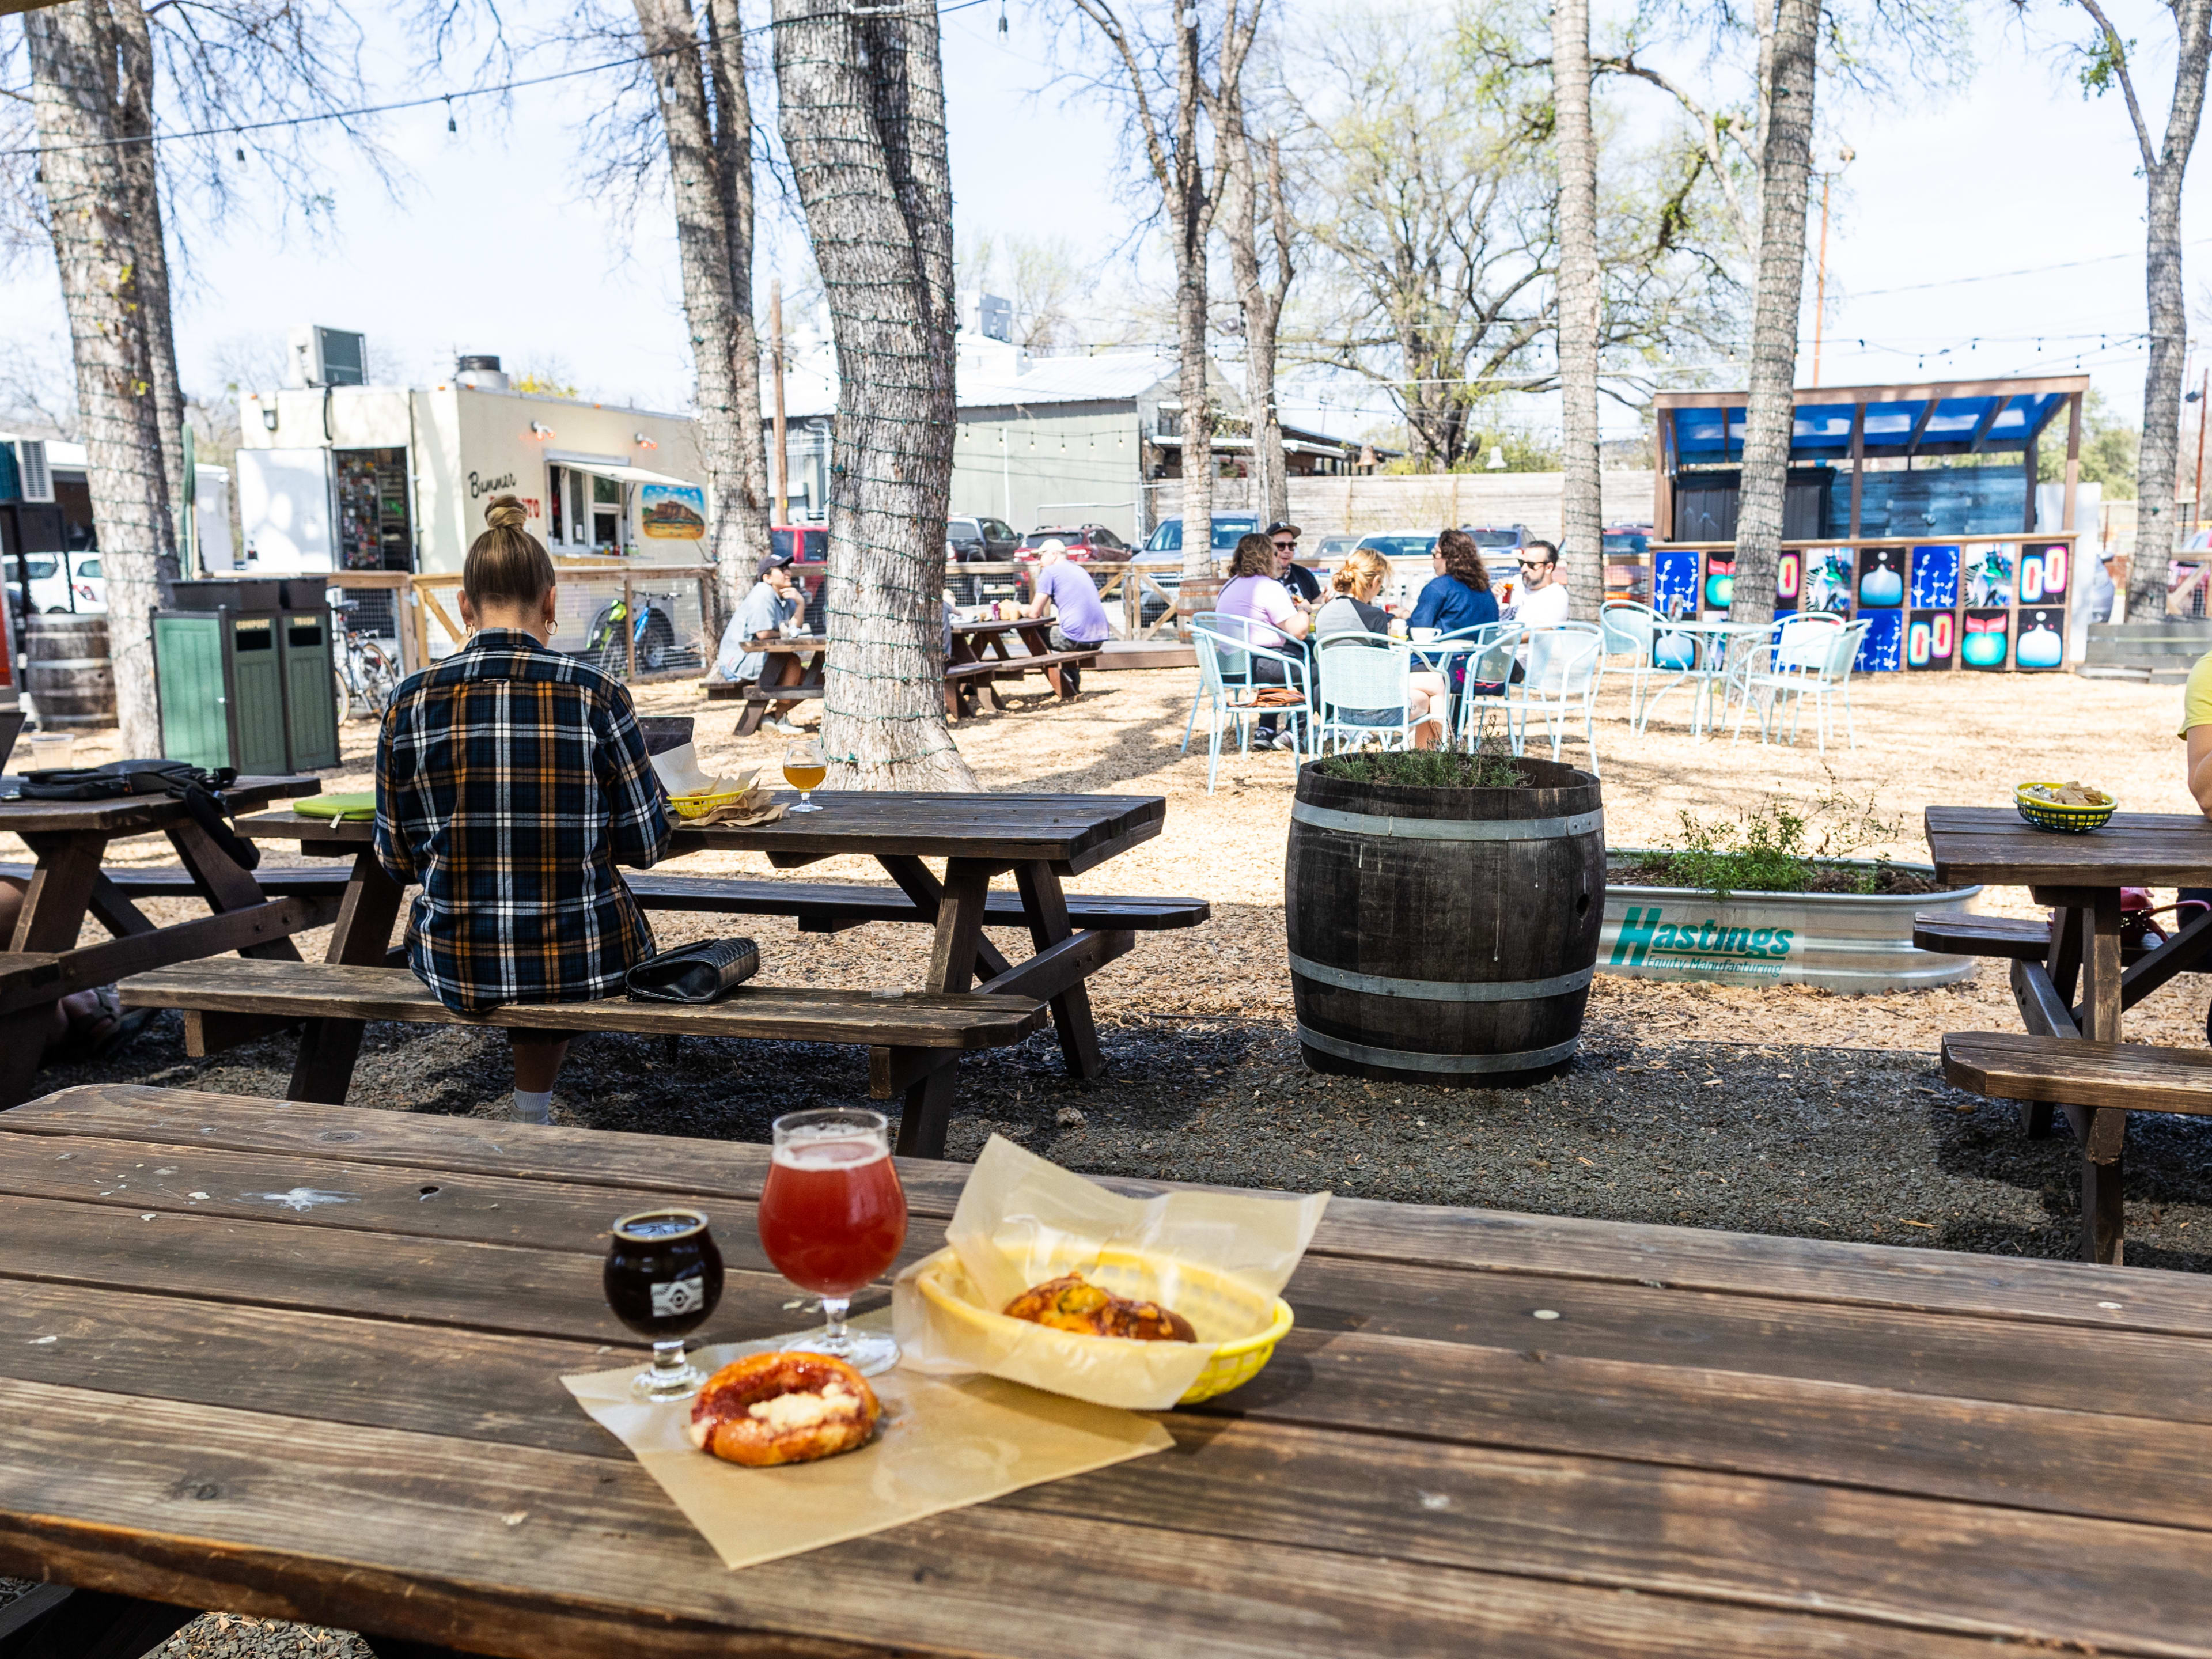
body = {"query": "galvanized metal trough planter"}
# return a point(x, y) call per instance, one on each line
point(1854, 942)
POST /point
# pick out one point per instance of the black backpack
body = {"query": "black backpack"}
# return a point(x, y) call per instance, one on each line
point(190, 784)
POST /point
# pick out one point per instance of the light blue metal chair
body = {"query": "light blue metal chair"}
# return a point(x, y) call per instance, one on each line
point(1563, 665)
point(1808, 656)
point(1226, 683)
point(1630, 630)
point(1364, 691)
point(1486, 659)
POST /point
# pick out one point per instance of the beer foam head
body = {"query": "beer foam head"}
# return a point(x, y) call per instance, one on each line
point(829, 1146)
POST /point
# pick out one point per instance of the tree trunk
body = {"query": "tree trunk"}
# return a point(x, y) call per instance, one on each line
point(2157, 518)
point(733, 143)
point(1194, 218)
point(862, 115)
point(106, 284)
point(142, 171)
point(1260, 304)
point(1785, 168)
point(1581, 564)
point(727, 372)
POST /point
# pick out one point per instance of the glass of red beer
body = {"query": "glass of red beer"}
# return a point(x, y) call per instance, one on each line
point(832, 1217)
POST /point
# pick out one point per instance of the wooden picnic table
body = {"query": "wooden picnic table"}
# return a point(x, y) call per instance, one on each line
point(43, 961)
point(792, 673)
point(1039, 838)
point(2080, 877)
point(302, 1361)
point(981, 652)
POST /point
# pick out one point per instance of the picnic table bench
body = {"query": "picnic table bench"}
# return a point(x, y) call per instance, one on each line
point(2071, 1059)
point(302, 1361)
point(792, 673)
point(982, 654)
point(43, 962)
point(1039, 838)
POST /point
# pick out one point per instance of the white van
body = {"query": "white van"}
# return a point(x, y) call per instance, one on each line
point(50, 587)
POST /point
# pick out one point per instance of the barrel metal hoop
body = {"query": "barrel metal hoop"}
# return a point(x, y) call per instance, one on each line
point(1374, 823)
point(1406, 1061)
point(1444, 990)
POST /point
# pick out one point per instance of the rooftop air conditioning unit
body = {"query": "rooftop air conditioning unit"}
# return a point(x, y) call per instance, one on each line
point(328, 357)
point(35, 479)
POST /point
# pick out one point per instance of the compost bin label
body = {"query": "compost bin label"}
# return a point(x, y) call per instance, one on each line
point(1650, 937)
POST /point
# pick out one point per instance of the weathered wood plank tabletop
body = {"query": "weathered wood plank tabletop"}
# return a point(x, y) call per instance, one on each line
point(302, 1361)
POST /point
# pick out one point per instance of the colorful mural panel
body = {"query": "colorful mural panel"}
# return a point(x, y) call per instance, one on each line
point(1931, 641)
point(1985, 640)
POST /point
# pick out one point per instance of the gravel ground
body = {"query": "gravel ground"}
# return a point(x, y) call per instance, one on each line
point(1775, 1110)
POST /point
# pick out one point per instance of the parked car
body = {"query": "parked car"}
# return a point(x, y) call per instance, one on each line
point(1490, 538)
point(1084, 543)
point(49, 586)
point(1167, 535)
point(974, 540)
point(1332, 547)
point(88, 588)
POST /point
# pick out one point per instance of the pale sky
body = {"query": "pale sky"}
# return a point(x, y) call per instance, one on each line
point(493, 246)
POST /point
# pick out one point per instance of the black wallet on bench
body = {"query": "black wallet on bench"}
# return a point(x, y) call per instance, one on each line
point(705, 972)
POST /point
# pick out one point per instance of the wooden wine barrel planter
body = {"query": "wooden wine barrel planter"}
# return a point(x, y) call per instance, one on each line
point(1445, 936)
point(66, 671)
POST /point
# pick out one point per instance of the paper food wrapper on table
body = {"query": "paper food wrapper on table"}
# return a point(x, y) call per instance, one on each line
point(943, 1442)
point(1218, 1258)
point(748, 803)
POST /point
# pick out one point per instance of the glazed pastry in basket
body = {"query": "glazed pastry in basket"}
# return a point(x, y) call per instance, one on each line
point(1070, 1302)
point(783, 1408)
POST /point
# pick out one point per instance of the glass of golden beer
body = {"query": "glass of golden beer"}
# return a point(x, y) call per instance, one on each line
point(804, 769)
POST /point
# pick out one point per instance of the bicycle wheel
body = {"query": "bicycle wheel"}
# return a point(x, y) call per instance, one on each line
point(345, 695)
point(380, 679)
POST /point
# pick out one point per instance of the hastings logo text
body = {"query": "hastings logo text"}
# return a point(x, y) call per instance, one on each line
point(1644, 932)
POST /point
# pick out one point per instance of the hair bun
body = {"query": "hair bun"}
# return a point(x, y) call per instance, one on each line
point(506, 513)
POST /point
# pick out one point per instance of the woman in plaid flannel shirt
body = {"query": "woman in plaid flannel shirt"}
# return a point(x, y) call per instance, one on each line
point(511, 779)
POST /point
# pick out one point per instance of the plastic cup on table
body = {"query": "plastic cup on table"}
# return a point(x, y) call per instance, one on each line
point(1426, 635)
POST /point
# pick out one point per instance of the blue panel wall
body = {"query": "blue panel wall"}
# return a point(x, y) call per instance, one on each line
point(1936, 501)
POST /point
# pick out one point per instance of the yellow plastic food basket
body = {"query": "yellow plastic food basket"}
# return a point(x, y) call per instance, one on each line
point(697, 806)
point(2051, 815)
point(1212, 1302)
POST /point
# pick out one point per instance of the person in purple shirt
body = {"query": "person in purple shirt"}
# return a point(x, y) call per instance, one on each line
point(1079, 621)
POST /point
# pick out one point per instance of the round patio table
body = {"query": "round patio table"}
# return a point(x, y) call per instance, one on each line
point(1714, 654)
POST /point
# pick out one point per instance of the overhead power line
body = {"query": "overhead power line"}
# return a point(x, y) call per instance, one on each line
point(236, 128)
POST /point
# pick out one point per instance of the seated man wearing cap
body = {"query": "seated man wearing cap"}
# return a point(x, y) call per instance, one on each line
point(1304, 586)
point(774, 601)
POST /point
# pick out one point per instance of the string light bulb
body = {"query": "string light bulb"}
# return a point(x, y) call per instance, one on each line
point(451, 126)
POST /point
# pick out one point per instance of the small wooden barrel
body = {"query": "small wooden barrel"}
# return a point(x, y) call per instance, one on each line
point(1444, 936)
point(66, 671)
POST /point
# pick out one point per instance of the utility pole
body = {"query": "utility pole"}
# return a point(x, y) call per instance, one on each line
point(775, 360)
point(1845, 157)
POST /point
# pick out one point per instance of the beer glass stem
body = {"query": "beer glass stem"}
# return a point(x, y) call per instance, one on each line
point(668, 1367)
point(833, 1315)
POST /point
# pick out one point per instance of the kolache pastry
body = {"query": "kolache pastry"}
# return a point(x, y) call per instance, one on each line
point(770, 1408)
point(1071, 1303)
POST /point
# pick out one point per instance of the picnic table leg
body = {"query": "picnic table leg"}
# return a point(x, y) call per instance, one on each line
point(52, 914)
point(928, 893)
point(225, 885)
point(1046, 906)
point(328, 1048)
point(2100, 969)
point(2064, 964)
point(928, 1105)
point(2103, 1139)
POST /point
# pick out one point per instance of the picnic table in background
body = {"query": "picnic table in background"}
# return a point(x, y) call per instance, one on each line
point(1040, 839)
point(302, 1361)
point(2080, 948)
point(43, 962)
point(792, 673)
point(982, 653)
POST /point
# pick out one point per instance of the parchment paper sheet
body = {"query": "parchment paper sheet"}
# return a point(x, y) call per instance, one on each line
point(1022, 1219)
point(943, 1442)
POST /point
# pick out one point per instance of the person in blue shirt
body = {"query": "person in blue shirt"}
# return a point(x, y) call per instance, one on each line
point(1458, 597)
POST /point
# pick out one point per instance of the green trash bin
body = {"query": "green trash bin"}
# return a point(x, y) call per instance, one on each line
point(310, 701)
point(220, 680)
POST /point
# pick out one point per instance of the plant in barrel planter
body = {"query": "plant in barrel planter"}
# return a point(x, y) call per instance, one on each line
point(1443, 910)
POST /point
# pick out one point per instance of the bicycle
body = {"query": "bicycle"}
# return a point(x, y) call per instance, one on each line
point(364, 672)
